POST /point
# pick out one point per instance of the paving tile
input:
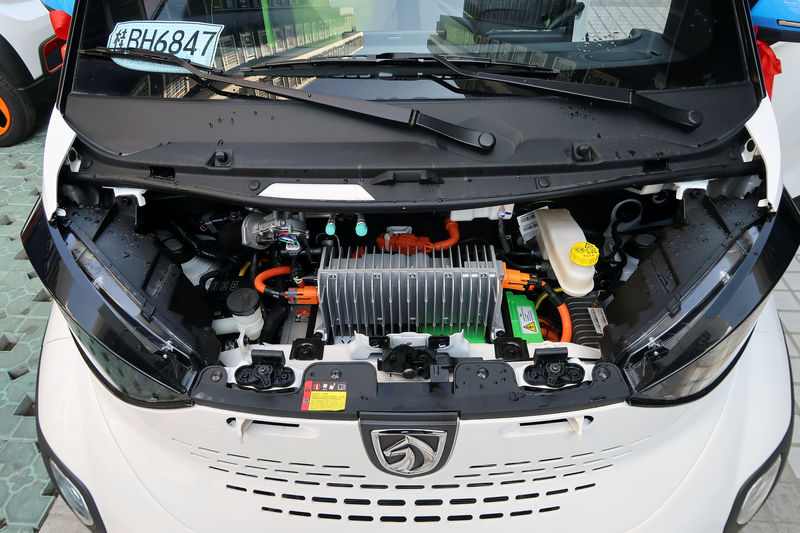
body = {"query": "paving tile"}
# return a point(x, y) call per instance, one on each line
point(28, 507)
point(782, 503)
point(794, 266)
point(797, 398)
point(23, 478)
point(61, 520)
point(26, 430)
point(792, 280)
point(16, 455)
point(756, 526)
point(790, 320)
point(785, 300)
point(792, 345)
point(794, 462)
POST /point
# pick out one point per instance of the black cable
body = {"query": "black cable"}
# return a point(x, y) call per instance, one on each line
point(501, 233)
point(253, 271)
point(196, 246)
point(273, 319)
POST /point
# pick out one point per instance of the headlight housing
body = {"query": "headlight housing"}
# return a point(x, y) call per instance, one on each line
point(131, 348)
point(133, 359)
point(683, 352)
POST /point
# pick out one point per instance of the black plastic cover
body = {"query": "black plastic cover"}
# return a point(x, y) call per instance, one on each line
point(480, 389)
point(671, 268)
point(146, 270)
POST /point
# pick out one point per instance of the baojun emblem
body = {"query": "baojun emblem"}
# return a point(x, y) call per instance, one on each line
point(409, 452)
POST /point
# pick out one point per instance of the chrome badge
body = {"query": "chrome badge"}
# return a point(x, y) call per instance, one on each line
point(409, 452)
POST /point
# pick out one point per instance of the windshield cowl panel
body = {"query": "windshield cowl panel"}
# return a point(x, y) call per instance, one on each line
point(289, 134)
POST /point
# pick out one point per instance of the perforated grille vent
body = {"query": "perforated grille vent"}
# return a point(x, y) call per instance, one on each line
point(492, 491)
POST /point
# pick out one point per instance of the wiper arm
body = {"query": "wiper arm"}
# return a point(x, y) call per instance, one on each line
point(630, 98)
point(410, 117)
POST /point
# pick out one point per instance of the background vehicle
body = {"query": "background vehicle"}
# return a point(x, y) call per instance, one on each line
point(30, 62)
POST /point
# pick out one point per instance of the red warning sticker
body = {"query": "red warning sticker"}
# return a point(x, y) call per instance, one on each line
point(324, 396)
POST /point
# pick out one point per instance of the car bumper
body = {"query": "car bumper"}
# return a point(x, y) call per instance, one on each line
point(43, 89)
point(668, 469)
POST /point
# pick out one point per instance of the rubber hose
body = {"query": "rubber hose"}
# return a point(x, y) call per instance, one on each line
point(273, 319)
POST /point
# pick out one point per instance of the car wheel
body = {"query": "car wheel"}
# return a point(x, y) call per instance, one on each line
point(17, 116)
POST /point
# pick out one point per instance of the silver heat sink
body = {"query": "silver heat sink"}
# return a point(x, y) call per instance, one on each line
point(442, 293)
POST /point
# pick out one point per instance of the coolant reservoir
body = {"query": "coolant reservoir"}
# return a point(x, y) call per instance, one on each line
point(563, 243)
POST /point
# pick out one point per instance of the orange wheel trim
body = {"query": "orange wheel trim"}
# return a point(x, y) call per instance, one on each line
point(7, 115)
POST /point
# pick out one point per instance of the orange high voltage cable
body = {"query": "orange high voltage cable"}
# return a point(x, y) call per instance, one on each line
point(516, 280)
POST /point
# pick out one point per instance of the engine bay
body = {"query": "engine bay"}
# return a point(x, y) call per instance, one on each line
point(268, 293)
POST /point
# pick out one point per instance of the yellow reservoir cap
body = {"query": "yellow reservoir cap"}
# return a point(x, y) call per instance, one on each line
point(584, 254)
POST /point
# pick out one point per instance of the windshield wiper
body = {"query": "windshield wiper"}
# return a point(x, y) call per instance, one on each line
point(509, 73)
point(630, 98)
point(410, 117)
point(389, 59)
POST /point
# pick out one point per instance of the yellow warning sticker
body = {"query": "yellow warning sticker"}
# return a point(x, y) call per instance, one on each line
point(324, 396)
point(527, 319)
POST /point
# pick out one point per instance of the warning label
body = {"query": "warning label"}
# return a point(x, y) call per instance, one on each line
point(527, 320)
point(302, 315)
point(599, 320)
point(324, 396)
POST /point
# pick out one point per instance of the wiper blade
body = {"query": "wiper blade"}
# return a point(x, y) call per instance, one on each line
point(398, 59)
point(410, 117)
point(629, 98)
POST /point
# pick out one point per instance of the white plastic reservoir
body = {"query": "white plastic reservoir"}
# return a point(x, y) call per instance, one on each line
point(558, 235)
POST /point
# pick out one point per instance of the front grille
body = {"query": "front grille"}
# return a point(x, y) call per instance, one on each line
point(525, 487)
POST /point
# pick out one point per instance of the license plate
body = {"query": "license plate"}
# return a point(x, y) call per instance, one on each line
point(193, 41)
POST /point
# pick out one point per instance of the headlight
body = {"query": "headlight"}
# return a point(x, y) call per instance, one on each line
point(685, 351)
point(130, 358)
point(72, 495)
point(758, 492)
point(128, 348)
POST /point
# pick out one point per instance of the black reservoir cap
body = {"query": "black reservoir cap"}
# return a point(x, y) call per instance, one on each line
point(243, 302)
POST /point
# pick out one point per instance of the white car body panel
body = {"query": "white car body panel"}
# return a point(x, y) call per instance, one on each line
point(763, 128)
point(56, 147)
point(671, 468)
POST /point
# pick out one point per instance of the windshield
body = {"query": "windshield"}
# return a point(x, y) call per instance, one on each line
point(636, 44)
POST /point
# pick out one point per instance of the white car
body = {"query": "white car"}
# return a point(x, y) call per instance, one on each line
point(368, 265)
point(30, 64)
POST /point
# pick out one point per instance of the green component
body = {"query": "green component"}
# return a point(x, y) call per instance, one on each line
point(524, 322)
point(471, 335)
